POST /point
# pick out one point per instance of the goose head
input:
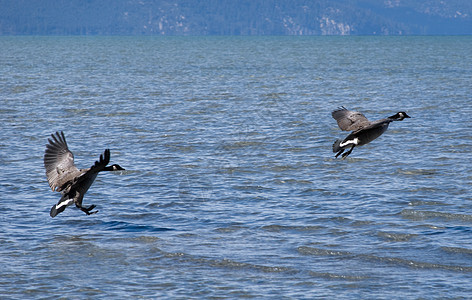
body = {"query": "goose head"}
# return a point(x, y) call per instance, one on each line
point(399, 116)
point(113, 167)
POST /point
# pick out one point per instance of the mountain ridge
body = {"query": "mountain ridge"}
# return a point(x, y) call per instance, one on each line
point(229, 17)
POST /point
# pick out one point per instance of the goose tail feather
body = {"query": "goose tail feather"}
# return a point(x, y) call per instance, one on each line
point(336, 147)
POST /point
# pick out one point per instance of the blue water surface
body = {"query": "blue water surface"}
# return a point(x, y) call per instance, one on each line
point(231, 188)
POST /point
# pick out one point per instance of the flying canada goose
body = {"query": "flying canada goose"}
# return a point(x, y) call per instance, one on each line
point(363, 131)
point(63, 176)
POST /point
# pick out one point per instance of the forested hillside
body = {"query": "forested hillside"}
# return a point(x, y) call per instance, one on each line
point(235, 17)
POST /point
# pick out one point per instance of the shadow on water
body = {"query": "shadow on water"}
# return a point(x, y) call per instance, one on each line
point(115, 226)
point(130, 227)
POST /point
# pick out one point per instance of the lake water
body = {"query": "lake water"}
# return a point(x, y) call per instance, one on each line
point(231, 188)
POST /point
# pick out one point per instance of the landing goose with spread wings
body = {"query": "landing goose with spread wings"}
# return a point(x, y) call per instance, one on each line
point(63, 176)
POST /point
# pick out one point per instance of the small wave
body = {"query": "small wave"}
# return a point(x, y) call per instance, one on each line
point(254, 188)
point(459, 250)
point(291, 181)
point(327, 275)
point(278, 228)
point(396, 237)
point(417, 172)
point(322, 252)
point(226, 263)
point(422, 215)
point(418, 264)
point(391, 260)
point(422, 202)
point(230, 229)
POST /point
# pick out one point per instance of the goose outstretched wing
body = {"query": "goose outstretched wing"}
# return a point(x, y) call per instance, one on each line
point(59, 163)
point(349, 120)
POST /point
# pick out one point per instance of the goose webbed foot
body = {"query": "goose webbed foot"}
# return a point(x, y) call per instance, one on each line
point(90, 207)
point(339, 153)
point(87, 210)
point(347, 153)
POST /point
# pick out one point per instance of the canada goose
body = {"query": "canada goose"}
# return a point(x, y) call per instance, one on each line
point(363, 131)
point(63, 176)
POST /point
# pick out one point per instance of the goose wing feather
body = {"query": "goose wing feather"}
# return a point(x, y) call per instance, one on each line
point(349, 120)
point(59, 163)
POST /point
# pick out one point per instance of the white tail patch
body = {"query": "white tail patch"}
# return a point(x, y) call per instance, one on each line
point(65, 203)
point(349, 142)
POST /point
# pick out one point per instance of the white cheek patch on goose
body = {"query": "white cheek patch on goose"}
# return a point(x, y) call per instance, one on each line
point(354, 141)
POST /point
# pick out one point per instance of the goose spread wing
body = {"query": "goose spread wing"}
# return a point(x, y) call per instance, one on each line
point(349, 120)
point(59, 163)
